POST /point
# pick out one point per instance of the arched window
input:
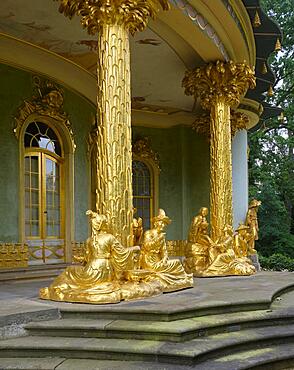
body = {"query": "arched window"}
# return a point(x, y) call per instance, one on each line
point(43, 198)
point(143, 192)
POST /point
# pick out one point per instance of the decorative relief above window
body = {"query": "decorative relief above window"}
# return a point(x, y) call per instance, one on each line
point(47, 101)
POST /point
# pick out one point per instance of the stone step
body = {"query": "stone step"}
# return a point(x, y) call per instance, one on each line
point(186, 353)
point(173, 331)
point(48, 363)
point(32, 272)
point(266, 358)
point(146, 312)
point(269, 357)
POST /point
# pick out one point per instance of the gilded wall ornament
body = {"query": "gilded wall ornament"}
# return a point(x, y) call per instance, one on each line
point(142, 149)
point(132, 14)
point(47, 101)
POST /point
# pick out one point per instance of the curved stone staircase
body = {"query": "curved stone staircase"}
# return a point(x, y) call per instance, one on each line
point(242, 335)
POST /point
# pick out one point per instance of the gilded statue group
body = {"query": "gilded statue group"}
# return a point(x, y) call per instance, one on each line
point(230, 255)
point(111, 272)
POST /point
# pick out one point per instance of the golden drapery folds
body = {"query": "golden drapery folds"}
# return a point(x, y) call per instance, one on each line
point(154, 257)
point(220, 86)
point(225, 256)
point(112, 272)
point(113, 20)
point(106, 274)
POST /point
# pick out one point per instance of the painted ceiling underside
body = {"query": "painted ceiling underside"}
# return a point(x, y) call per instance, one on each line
point(157, 71)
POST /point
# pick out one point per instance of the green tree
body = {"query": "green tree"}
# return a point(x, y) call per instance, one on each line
point(271, 161)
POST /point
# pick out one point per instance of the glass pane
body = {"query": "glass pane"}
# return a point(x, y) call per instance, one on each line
point(49, 167)
point(34, 164)
point(35, 228)
point(35, 213)
point(56, 230)
point(49, 199)
point(35, 197)
point(50, 229)
point(35, 181)
point(27, 180)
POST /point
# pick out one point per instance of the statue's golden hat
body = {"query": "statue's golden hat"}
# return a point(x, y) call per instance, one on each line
point(162, 217)
point(254, 203)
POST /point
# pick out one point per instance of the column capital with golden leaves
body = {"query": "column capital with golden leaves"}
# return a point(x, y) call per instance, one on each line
point(220, 80)
point(130, 13)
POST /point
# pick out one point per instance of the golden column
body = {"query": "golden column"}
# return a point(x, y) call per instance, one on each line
point(113, 20)
point(220, 86)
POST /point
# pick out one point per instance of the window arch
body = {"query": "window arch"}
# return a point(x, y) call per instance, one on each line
point(40, 135)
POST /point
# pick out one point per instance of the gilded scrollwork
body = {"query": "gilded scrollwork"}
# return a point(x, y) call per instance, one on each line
point(47, 101)
point(142, 150)
point(133, 15)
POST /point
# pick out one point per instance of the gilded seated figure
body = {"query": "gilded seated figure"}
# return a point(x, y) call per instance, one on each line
point(225, 258)
point(199, 243)
point(205, 257)
point(154, 257)
point(104, 276)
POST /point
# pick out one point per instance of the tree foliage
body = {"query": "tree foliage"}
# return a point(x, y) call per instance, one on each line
point(271, 161)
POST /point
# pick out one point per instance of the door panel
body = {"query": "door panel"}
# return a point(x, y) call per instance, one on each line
point(43, 209)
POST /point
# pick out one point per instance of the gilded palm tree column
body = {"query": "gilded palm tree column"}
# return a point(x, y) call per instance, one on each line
point(220, 86)
point(113, 21)
point(114, 152)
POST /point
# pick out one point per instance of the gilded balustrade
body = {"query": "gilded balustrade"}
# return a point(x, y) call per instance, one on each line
point(13, 255)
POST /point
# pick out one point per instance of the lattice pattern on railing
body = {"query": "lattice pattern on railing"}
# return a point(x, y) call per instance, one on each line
point(13, 255)
point(176, 248)
point(78, 251)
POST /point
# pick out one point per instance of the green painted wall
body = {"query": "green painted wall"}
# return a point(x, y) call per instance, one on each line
point(16, 85)
point(184, 176)
point(81, 114)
